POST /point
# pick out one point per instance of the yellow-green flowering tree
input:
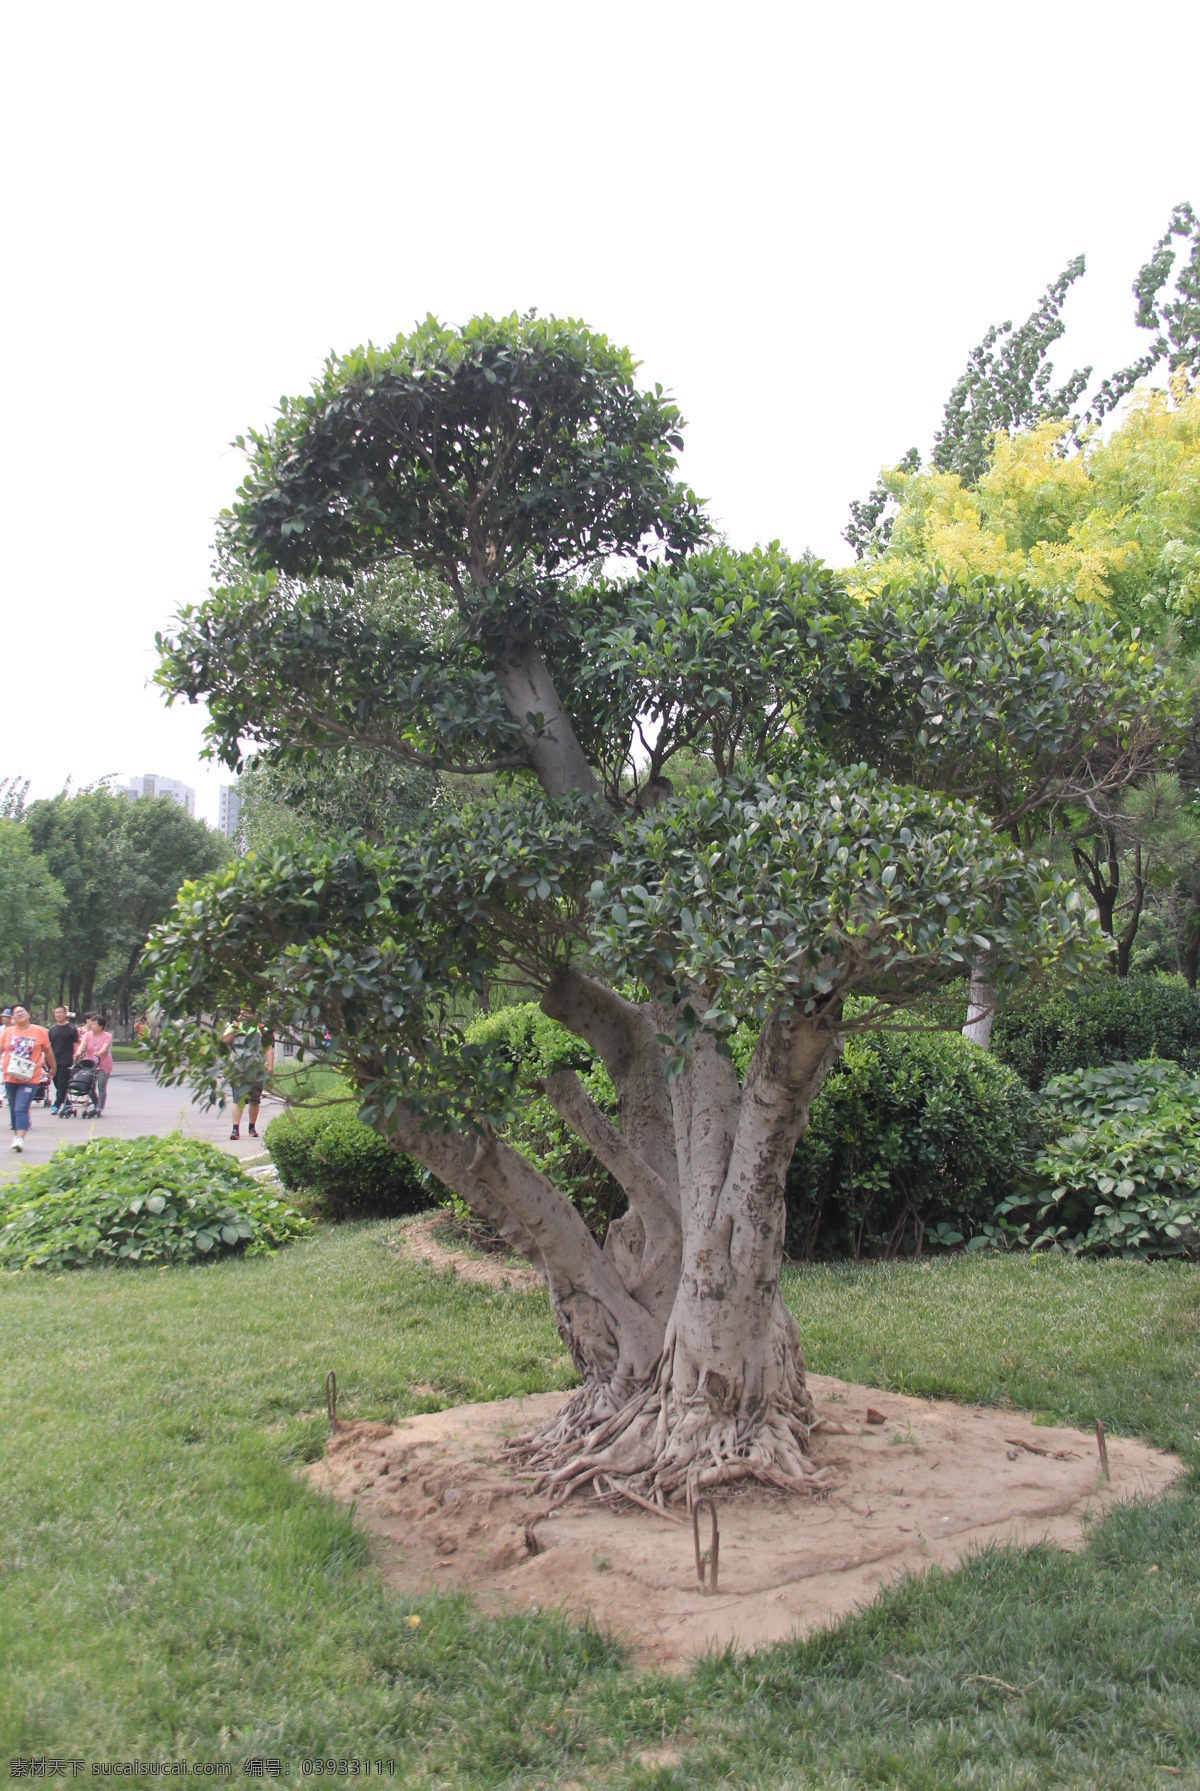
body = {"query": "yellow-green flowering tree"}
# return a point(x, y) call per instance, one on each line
point(1116, 522)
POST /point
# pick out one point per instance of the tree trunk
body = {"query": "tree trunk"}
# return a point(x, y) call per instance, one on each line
point(690, 1362)
point(1100, 873)
point(1129, 933)
point(126, 978)
point(1189, 955)
point(981, 1009)
point(555, 754)
point(733, 1399)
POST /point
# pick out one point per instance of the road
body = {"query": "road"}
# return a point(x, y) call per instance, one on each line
point(136, 1106)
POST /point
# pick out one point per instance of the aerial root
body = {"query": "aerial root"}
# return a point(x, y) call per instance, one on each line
point(655, 1449)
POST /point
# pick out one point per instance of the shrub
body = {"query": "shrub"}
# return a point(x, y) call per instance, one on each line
point(1047, 1032)
point(913, 1139)
point(349, 1170)
point(137, 1201)
point(1123, 1173)
point(535, 1046)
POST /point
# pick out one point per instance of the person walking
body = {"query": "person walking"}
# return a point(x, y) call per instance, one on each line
point(253, 1045)
point(96, 1047)
point(26, 1049)
point(64, 1040)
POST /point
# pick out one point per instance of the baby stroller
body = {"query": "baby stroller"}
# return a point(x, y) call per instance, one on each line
point(80, 1100)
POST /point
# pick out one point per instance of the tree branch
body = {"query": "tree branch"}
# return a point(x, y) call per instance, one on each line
point(794, 1054)
point(624, 1035)
point(555, 754)
point(606, 1329)
point(642, 1185)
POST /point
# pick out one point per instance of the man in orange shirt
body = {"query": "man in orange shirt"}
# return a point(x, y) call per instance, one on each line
point(26, 1049)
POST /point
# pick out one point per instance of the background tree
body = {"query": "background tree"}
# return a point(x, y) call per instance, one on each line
point(1006, 386)
point(651, 921)
point(76, 837)
point(1116, 524)
point(31, 907)
point(160, 846)
point(14, 792)
point(1033, 708)
point(119, 865)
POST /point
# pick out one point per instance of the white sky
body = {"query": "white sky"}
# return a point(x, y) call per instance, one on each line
point(800, 217)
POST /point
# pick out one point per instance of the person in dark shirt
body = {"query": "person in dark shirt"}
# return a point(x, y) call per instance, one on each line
point(254, 1044)
point(63, 1039)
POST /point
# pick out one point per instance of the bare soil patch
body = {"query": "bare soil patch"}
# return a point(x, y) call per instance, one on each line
point(917, 1486)
point(422, 1239)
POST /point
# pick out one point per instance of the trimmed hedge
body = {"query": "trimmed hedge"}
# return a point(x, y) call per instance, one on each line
point(914, 1139)
point(1049, 1032)
point(347, 1169)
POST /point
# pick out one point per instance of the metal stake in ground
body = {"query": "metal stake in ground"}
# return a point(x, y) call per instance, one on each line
point(331, 1399)
point(1103, 1448)
point(714, 1548)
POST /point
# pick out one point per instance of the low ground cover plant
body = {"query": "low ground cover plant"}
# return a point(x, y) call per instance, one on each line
point(1122, 1171)
point(140, 1201)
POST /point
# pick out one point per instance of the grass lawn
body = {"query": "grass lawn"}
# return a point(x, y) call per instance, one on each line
point(169, 1590)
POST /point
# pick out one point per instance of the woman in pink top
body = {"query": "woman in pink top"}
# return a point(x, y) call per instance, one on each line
point(96, 1047)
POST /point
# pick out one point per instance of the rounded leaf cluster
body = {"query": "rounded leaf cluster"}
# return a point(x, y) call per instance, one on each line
point(802, 891)
point(513, 442)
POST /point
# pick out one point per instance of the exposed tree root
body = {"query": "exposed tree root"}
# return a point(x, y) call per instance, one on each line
point(658, 1447)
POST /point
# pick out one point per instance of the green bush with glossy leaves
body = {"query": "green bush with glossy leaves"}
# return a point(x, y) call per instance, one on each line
point(140, 1202)
point(912, 1142)
point(1047, 1031)
point(345, 1168)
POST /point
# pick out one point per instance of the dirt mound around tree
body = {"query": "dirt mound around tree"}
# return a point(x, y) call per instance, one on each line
point(918, 1483)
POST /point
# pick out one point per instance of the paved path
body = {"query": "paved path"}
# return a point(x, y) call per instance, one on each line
point(136, 1106)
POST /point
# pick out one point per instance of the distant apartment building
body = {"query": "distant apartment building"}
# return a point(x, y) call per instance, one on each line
point(229, 810)
point(153, 785)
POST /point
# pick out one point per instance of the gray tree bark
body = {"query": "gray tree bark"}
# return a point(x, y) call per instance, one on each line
point(981, 1010)
point(691, 1370)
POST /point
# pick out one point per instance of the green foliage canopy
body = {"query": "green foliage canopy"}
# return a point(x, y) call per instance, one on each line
point(31, 898)
point(516, 447)
point(784, 870)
